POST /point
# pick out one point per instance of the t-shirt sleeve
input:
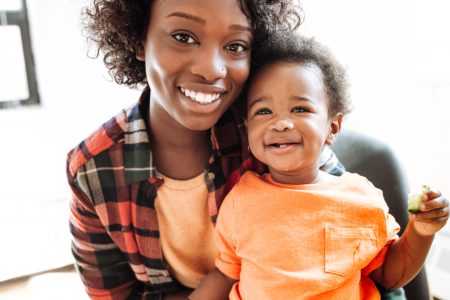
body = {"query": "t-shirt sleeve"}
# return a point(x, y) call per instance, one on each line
point(392, 229)
point(227, 260)
point(391, 226)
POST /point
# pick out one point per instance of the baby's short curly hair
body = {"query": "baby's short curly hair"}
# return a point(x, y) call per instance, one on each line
point(289, 47)
point(118, 28)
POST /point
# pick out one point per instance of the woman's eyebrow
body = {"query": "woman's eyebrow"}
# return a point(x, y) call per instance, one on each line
point(202, 21)
point(186, 16)
point(240, 28)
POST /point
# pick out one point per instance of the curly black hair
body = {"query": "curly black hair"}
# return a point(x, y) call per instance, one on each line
point(291, 47)
point(118, 28)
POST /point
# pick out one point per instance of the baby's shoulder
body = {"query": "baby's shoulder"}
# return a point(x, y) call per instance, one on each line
point(359, 183)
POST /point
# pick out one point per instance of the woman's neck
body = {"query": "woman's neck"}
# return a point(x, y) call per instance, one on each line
point(179, 152)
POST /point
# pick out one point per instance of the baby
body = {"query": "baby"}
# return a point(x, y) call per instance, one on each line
point(297, 232)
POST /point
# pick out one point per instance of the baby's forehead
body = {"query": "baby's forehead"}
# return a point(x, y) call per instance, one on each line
point(277, 67)
point(286, 82)
point(287, 72)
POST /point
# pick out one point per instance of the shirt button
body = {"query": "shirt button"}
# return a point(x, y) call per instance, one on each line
point(210, 176)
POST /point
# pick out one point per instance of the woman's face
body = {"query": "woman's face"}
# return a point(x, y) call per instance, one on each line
point(197, 57)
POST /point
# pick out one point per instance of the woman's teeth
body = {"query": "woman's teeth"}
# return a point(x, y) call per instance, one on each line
point(200, 97)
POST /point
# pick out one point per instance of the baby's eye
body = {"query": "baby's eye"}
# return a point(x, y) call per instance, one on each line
point(184, 38)
point(263, 111)
point(300, 109)
point(237, 48)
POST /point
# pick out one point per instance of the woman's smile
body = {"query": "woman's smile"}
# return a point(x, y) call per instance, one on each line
point(200, 102)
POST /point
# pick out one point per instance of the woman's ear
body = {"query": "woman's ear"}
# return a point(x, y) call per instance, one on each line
point(335, 128)
point(140, 52)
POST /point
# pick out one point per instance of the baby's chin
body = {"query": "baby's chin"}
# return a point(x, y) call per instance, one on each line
point(302, 174)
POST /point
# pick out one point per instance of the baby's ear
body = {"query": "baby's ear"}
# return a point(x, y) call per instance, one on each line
point(335, 128)
point(140, 52)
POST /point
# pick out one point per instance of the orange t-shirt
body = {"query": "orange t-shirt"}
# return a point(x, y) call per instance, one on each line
point(312, 241)
point(187, 242)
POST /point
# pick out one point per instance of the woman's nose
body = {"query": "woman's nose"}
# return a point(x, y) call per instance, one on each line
point(282, 125)
point(211, 66)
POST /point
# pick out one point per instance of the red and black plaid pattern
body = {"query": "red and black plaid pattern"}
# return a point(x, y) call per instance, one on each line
point(113, 220)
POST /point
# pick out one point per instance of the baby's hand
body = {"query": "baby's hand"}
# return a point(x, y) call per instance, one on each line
point(432, 214)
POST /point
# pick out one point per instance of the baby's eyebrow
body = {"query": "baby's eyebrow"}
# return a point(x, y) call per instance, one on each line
point(302, 98)
point(252, 102)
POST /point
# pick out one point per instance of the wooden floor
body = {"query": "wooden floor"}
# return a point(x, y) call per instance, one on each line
point(63, 283)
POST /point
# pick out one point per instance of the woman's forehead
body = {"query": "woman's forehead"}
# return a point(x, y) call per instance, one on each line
point(226, 14)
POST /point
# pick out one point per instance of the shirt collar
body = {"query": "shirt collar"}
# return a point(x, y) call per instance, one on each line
point(227, 139)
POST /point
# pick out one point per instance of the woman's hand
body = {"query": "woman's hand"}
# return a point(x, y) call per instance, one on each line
point(432, 216)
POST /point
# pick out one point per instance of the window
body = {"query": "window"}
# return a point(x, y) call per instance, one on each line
point(18, 85)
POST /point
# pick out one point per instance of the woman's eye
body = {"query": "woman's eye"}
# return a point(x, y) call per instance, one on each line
point(299, 109)
point(263, 111)
point(184, 38)
point(237, 48)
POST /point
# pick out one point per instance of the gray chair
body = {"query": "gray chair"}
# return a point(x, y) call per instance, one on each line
point(373, 159)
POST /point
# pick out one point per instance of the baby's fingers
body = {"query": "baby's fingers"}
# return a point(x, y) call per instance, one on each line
point(435, 215)
point(434, 201)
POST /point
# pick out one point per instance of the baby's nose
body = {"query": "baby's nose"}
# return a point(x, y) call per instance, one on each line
point(282, 125)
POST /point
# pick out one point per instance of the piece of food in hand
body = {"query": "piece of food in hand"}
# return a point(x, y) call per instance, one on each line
point(415, 199)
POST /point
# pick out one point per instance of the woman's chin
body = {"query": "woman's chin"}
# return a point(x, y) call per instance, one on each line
point(200, 124)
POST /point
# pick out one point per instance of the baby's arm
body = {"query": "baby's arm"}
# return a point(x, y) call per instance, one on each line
point(215, 286)
point(407, 255)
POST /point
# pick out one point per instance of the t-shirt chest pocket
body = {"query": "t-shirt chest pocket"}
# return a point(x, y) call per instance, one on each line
point(348, 249)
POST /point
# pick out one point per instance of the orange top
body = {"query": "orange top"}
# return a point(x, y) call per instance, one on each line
point(187, 242)
point(313, 241)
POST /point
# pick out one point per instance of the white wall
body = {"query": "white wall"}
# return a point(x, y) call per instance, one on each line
point(396, 53)
point(77, 96)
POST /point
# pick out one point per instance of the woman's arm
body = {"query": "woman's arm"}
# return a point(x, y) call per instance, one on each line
point(407, 255)
point(215, 286)
point(104, 269)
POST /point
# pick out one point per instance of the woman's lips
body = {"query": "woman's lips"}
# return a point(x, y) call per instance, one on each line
point(201, 97)
point(200, 102)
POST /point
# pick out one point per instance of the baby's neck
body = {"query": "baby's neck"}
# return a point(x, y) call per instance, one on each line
point(298, 179)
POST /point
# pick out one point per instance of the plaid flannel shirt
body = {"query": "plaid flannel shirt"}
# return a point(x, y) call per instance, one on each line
point(114, 183)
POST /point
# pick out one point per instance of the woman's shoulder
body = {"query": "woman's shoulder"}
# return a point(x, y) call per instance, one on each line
point(106, 144)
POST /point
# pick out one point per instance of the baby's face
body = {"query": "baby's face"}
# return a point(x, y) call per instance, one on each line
point(287, 118)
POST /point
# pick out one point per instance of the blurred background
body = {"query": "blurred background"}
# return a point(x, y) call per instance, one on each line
point(52, 96)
